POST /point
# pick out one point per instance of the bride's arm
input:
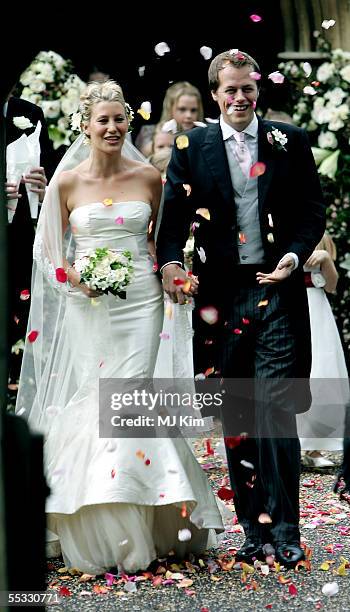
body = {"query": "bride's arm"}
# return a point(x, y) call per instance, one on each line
point(73, 277)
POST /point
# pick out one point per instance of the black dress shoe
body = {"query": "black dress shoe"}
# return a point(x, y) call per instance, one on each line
point(251, 550)
point(289, 553)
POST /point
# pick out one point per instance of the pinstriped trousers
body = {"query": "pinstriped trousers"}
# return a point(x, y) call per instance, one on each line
point(258, 346)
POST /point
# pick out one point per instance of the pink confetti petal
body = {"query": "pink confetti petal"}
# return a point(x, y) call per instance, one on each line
point(164, 336)
point(32, 336)
point(255, 18)
point(257, 169)
point(61, 275)
point(24, 295)
point(276, 77)
point(119, 221)
point(256, 76)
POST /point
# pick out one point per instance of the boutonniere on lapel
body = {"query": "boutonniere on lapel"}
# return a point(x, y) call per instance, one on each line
point(277, 139)
point(22, 123)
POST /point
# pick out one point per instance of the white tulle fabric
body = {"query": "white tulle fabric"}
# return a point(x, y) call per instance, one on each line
point(107, 505)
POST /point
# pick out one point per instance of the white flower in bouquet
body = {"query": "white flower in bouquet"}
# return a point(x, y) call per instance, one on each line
point(51, 108)
point(37, 85)
point(335, 96)
point(106, 270)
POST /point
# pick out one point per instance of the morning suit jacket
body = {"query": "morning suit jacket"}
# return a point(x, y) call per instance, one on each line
point(289, 191)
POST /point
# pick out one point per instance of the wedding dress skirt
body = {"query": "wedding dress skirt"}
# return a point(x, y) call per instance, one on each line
point(322, 428)
point(119, 500)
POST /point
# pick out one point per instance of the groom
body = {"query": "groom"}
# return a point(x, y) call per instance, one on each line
point(255, 224)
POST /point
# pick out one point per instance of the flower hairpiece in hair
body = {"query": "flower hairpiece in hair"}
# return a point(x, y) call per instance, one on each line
point(130, 115)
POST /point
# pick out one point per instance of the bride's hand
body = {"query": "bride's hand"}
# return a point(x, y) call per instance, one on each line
point(74, 280)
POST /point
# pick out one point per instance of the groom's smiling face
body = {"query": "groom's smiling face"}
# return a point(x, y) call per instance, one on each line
point(236, 95)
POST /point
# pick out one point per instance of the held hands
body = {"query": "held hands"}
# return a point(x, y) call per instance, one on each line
point(36, 177)
point(177, 291)
point(282, 271)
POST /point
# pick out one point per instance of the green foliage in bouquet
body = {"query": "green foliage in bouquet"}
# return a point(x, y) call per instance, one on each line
point(106, 270)
point(321, 105)
point(50, 82)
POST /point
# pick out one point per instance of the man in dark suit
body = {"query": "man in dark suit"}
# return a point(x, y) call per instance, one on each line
point(256, 225)
point(21, 230)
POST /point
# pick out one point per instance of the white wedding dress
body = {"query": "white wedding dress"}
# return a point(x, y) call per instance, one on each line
point(108, 505)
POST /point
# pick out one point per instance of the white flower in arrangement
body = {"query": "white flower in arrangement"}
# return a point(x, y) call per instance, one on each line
point(335, 96)
point(51, 108)
point(325, 71)
point(343, 111)
point(277, 139)
point(76, 122)
point(336, 124)
point(23, 123)
point(327, 140)
point(345, 72)
point(50, 83)
point(310, 91)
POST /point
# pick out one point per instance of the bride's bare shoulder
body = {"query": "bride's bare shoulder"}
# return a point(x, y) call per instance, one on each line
point(147, 171)
point(69, 178)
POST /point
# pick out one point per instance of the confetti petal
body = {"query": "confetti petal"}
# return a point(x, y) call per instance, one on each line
point(202, 255)
point(146, 116)
point(107, 202)
point(187, 188)
point(209, 314)
point(255, 18)
point(256, 76)
point(161, 48)
point(141, 70)
point(32, 336)
point(242, 237)
point(24, 295)
point(61, 275)
point(203, 212)
point(276, 77)
point(328, 23)
point(264, 518)
point(206, 52)
point(164, 336)
point(119, 221)
point(184, 535)
point(257, 169)
point(270, 237)
point(263, 303)
point(182, 142)
point(330, 589)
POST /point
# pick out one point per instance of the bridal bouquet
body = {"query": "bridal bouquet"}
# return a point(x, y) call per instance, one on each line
point(106, 270)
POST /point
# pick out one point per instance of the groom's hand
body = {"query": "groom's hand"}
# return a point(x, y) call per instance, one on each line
point(177, 291)
point(282, 271)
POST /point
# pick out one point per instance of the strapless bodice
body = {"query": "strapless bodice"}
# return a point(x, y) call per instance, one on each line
point(122, 225)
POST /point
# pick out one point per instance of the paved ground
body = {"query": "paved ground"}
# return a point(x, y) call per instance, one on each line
point(214, 583)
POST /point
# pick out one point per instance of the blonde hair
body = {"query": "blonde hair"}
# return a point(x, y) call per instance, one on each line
point(160, 160)
point(327, 244)
point(107, 91)
point(174, 92)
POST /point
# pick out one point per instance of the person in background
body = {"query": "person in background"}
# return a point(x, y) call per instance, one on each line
point(20, 232)
point(160, 160)
point(182, 105)
point(97, 75)
point(328, 359)
point(162, 139)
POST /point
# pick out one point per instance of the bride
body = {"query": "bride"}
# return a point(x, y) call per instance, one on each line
point(112, 500)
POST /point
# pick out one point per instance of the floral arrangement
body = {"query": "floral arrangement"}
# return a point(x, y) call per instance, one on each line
point(106, 270)
point(50, 83)
point(321, 105)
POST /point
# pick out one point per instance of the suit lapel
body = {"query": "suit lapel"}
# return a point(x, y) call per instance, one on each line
point(266, 155)
point(214, 152)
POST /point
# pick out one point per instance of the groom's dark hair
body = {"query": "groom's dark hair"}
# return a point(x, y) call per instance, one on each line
point(235, 57)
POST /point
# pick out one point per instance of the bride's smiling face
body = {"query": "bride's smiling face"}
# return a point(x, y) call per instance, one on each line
point(108, 126)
